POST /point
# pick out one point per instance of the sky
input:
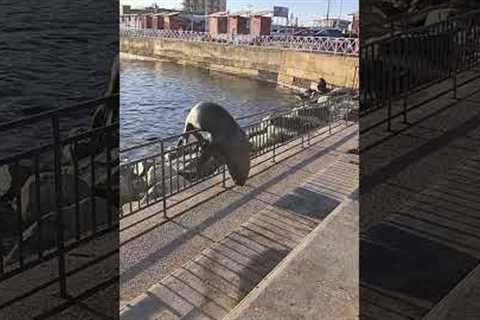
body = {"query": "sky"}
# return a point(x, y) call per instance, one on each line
point(305, 10)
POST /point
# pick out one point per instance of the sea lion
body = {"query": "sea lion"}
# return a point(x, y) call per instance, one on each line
point(228, 142)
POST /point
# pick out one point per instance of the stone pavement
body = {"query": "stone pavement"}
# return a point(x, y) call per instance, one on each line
point(416, 256)
point(211, 284)
point(438, 137)
point(318, 280)
point(153, 247)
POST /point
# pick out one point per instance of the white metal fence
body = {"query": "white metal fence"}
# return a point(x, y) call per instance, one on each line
point(330, 45)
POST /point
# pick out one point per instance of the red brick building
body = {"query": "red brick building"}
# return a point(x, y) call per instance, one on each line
point(158, 21)
point(238, 25)
point(217, 24)
point(260, 25)
point(147, 21)
point(174, 21)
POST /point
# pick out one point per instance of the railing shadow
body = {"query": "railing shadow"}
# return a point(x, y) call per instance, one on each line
point(412, 259)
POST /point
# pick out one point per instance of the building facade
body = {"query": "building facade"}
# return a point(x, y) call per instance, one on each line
point(204, 6)
point(217, 24)
point(260, 25)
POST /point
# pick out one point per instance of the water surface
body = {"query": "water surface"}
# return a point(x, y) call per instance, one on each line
point(157, 96)
point(50, 58)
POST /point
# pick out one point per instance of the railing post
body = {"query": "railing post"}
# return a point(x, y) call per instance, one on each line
point(274, 144)
point(405, 78)
point(389, 98)
point(329, 118)
point(19, 226)
point(58, 207)
point(164, 193)
point(455, 67)
point(309, 133)
point(346, 115)
point(406, 82)
point(303, 140)
point(224, 177)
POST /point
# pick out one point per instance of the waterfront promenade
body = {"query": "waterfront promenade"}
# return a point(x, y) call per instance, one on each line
point(270, 204)
point(419, 247)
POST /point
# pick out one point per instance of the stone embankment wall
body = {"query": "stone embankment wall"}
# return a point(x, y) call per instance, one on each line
point(290, 68)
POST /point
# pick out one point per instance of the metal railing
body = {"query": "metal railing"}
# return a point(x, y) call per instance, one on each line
point(396, 67)
point(330, 45)
point(171, 169)
point(62, 194)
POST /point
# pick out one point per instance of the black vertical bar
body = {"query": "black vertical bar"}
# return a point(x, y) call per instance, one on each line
point(58, 207)
point(389, 97)
point(455, 66)
point(264, 137)
point(129, 185)
point(257, 140)
point(155, 182)
point(189, 149)
point(1, 255)
point(406, 79)
point(76, 188)
point(274, 145)
point(329, 117)
point(347, 111)
point(137, 176)
point(37, 207)
point(313, 124)
point(164, 194)
point(300, 129)
point(224, 176)
point(145, 173)
point(197, 156)
point(170, 169)
point(18, 189)
point(109, 179)
point(92, 193)
point(177, 168)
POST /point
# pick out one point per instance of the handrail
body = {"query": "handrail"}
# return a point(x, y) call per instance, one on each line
point(330, 45)
point(395, 67)
point(417, 29)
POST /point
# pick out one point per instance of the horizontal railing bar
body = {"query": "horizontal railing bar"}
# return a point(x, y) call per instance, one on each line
point(419, 29)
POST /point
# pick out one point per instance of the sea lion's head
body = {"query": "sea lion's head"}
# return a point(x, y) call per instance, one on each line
point(237, 157)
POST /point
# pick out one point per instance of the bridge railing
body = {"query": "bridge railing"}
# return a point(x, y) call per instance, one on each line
point(395, 67)
point(330, 45)
point(171, 169)
point(61, 195)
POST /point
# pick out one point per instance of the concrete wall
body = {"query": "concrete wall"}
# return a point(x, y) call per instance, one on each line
point(286, 67)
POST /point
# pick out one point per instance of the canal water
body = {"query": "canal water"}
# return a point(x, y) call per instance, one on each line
point(157, 96)
point(50, 58)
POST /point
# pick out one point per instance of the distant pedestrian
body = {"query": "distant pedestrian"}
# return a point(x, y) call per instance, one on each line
point(322, 86)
